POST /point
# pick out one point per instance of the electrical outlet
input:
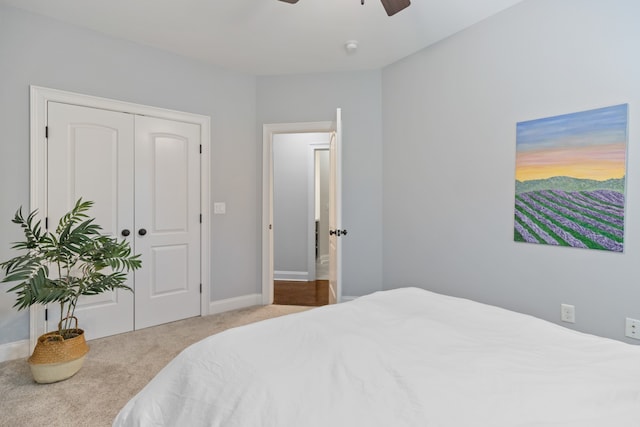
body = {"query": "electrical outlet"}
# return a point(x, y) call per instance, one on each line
point(568, 314)
point(632, 328)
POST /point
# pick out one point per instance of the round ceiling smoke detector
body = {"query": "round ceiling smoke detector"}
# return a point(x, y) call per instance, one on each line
point(351, 46)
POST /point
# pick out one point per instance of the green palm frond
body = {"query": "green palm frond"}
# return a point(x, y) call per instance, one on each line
point(32, 232)
point(74, 216)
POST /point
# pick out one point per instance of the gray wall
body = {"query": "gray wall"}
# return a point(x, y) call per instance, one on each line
point(450, 114)
point(43, 52)
point(290, 201)
point(291, 173)
point(313, 98)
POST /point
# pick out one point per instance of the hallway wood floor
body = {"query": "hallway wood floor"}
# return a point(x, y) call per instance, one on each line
point(313, 293)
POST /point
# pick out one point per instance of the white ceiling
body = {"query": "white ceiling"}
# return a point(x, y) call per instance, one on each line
point(272, 37)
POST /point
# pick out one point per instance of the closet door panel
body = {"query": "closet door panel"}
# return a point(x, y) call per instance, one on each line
point(167, 204)
point(170, 183)
point(90, 156)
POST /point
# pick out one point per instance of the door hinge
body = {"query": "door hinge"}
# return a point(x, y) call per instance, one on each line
point(46, 131)
point(200, 218)
point(46, 314)
point(46, 222)
point(200, 148)
point(270, 227)
point(200, 287)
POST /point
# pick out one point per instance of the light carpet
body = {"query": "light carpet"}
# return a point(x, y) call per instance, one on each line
point(115, 369)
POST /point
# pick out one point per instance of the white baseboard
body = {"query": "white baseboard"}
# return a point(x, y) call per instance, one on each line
point(292, 276)
point(14, 350)
point(347, 298)
point(235, 303)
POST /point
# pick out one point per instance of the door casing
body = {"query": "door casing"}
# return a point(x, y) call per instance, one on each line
point(39, 97)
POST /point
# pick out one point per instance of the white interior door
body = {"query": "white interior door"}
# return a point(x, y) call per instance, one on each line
point(90, 154)
point(167, 235)
point(335, 212)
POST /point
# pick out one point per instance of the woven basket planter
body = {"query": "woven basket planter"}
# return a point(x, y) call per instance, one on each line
point(55, 358)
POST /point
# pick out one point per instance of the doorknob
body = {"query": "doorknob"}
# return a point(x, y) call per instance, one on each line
point(125, 232)
point(142, 232)
point(338, 232)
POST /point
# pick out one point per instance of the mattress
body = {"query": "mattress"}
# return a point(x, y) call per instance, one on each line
point(404, 357)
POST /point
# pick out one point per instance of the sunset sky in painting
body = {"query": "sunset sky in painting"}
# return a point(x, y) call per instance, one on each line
point(586, 145)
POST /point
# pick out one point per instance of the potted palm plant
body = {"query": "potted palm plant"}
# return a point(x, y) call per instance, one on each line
point(59, 267)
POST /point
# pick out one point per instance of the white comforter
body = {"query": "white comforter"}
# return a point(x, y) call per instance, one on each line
point(406, 357)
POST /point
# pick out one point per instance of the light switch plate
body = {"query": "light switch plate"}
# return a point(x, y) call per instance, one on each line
point(219, 208)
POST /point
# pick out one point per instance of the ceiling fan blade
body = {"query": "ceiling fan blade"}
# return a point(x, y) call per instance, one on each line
point(290, 1)
point(393, 6)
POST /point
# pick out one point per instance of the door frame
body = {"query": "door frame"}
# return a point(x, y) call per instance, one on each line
point(39, 97)
point(268, 131)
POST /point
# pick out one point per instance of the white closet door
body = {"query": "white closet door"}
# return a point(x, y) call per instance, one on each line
point(90, 155)
point(167, 234)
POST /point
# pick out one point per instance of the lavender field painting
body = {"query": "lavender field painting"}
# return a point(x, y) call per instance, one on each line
point(570, 179)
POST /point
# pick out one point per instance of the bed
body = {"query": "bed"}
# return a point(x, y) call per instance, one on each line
point(404, 357)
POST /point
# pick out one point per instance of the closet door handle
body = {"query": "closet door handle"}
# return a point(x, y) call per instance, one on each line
point(142, 232)
point(125, 232)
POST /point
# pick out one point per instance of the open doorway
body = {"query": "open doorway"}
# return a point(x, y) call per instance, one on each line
point(300, 218)
point(333, 131)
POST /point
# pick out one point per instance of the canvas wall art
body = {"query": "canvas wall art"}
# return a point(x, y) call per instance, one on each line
point(570, 179)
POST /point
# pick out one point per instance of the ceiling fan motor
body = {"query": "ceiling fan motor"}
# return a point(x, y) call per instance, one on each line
point(390, 6)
